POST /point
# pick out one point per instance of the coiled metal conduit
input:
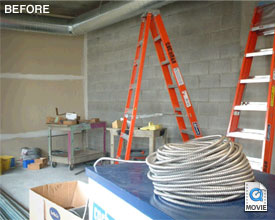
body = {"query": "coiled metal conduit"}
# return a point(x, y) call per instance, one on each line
point(204, 170)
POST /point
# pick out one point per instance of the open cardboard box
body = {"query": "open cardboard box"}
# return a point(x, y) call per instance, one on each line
point(52, 201)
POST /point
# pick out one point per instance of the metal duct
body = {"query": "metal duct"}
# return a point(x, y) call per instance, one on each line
point(108, 14)
point(35, 23)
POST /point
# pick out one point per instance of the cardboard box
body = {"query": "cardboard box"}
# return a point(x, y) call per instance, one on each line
point(43, 161)
point(94, 120)
point(52, 201)
point(34, 166)
point(117, 124)
point(69, 122)
point(59, 120)
point(50, 120)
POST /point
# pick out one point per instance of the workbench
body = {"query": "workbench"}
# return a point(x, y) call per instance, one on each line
point(124, 190)
point(74, 156)
point(151, 134)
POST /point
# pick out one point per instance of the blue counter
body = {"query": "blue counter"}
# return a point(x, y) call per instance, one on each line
point(130, 183)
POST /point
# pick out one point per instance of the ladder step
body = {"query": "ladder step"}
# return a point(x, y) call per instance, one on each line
point(189, 132)
point(252, 106)
point(129, 110)
point(251, 134)
point(263, 27)
point(149, 115)
point(133, 86)
point(140, 43)
point(157, 38)
point(166, 62)
point(125, 136)
point(172, 86)
point(262, 52)
point(256, 79)
point(270, 32)
point(178, 109)
point(255, 163)
point(136, 63)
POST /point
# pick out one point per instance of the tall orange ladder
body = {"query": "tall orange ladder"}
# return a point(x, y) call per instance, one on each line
point(266, 136)
point(152, 21)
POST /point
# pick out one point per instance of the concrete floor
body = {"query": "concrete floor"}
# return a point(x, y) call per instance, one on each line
point(17, 182)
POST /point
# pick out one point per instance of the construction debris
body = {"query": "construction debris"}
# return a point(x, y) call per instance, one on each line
point(10, 209)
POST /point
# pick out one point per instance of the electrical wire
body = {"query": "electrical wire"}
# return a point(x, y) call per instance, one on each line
point(204, 170)
point(85, 210)
point(117, 160)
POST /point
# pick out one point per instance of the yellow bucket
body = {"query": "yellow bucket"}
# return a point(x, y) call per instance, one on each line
point(5, 163)
point(0, 166)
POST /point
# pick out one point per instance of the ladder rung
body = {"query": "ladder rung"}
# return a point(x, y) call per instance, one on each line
point(266, 33)
point(172, 86)
point(263, 27)
point(189, 132)
point(255, 163)
point(178, 109)
point(129, 110)
point(165, 62)
point(136, 62)
point(125, 136)
point(256, 79)
point(140, 43)
point(149, 115)
point(262, 52)
point(251, 134)
point(133, 86)
point(252, 106)
point(157, 38)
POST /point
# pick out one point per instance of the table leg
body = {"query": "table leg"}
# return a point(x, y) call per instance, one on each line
point(112, 146)
point(104, 138)
point(72, 148)
point(82, 139)
point(50, 144)
point(86, 140)
point(69, 147)
point(164, 137)
point(152, 144)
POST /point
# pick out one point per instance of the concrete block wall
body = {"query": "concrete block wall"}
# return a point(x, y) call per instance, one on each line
point(207, 38)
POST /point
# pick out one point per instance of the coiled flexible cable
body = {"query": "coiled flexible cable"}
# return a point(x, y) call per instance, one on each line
point(204, 170)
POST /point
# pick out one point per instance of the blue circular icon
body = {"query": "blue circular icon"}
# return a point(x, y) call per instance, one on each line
point(256, 194)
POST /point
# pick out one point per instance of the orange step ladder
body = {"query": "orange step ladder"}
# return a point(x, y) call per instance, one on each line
point(267, 135)
point(152, 21)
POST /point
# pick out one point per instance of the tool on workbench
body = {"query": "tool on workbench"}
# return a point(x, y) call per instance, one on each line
point(258, 28)
point(57, 112)
point(152, 21)
point(151, 127)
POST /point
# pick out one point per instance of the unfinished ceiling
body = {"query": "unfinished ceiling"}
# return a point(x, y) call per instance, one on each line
point(75, 17)
point(61, 9)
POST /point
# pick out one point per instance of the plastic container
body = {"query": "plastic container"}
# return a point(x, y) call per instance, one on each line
point(6, 162)
point(12, 162)
point(26, 162)
point(0, 166)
